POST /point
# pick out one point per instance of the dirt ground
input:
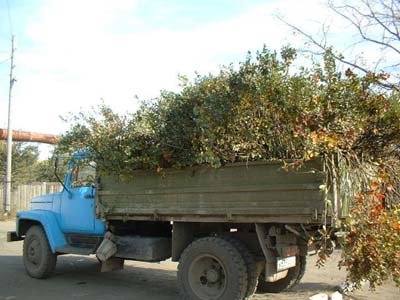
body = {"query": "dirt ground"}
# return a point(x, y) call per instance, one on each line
point(78, 277)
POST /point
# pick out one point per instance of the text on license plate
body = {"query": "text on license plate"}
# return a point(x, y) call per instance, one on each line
point(286, 263)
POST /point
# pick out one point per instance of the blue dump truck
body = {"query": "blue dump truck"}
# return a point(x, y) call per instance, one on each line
point(234, 230)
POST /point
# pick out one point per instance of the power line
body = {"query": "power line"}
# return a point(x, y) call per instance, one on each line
point(5, 60)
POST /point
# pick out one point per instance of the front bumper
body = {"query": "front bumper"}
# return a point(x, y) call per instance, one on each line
point(13, 237)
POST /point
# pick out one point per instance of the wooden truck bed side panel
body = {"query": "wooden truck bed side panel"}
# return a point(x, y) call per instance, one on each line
point(237, 192)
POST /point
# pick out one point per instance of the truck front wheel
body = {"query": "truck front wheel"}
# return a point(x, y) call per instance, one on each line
point(212, 268)
point(38, 259)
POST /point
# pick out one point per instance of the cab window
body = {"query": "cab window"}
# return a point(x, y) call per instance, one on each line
point(83, 174)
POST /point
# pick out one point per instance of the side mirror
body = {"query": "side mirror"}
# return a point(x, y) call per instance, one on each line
point(57, 164)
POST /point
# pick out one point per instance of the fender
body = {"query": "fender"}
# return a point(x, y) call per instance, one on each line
point(49, 222)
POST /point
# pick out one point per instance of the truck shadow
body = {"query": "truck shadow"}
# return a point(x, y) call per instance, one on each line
point(134, 273)
point(80, 276)
point(301, 291)
point(77, 276)
point(315, 286)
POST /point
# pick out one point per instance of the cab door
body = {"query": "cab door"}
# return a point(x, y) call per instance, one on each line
point(77, 211)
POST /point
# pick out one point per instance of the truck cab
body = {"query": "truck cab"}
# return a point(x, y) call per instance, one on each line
point(63, 222)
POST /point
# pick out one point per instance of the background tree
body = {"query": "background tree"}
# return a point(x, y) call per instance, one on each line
point(44, 171)
point(26, 166)
point(377, 24)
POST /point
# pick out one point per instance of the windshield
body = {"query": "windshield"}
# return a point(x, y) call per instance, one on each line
point(84, 174)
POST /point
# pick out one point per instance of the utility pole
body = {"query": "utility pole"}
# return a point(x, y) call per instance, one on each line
point(7, 190)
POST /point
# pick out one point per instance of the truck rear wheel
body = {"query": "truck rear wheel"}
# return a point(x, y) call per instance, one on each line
point(293, 277)
point(38, 259)
point(212, 268)
point(252, 272)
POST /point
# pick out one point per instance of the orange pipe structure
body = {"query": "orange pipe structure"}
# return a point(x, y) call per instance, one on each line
point(27, 136)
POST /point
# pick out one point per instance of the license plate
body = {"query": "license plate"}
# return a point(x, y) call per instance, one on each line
point(286, 263)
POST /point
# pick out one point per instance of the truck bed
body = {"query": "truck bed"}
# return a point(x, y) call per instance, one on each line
point(239, 192)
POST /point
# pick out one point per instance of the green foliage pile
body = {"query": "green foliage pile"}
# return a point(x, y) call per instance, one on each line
point(261, 110)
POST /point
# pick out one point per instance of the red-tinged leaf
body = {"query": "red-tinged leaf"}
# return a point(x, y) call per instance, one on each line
point(380, 196)
point(374, 184)
point(359, 198)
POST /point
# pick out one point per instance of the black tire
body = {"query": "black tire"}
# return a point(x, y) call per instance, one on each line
point(38, 259)
point(302, 270)
point(212, 268)
point(293, 277)
point(252, 271)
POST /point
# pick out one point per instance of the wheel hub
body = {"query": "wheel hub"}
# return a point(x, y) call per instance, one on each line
point(34, 252)
point(207, 277)
point(213, 276)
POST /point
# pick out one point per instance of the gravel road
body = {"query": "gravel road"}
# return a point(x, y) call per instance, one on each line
point(79, 277)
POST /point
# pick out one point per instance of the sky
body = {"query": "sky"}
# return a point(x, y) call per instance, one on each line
point(72, 55)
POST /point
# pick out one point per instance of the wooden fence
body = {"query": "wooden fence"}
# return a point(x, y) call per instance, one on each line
point(22, 195)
